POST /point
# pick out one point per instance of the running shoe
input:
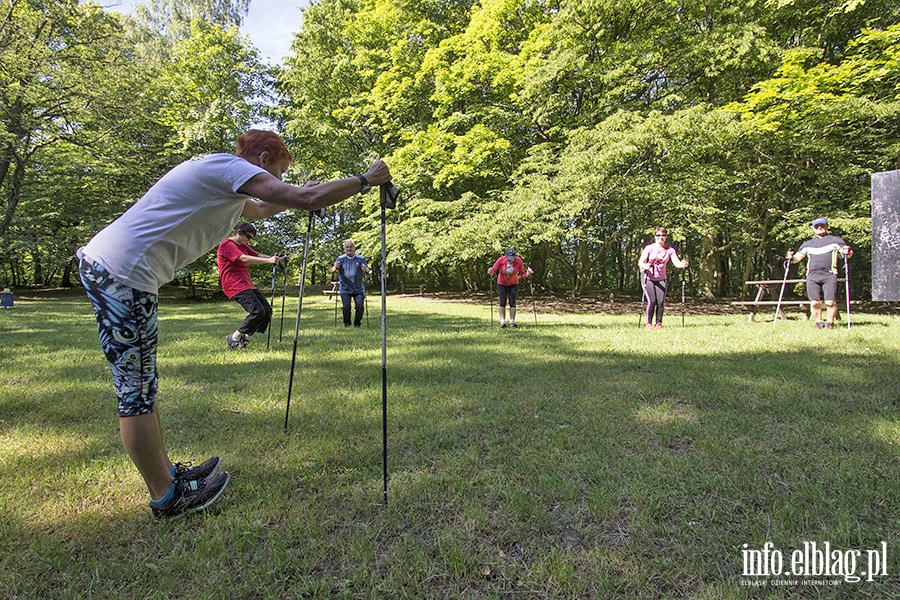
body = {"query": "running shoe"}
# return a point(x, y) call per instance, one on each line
point(208, 468)
point(191, 496)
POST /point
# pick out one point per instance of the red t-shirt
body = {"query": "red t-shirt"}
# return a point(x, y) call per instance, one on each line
point(234, 274)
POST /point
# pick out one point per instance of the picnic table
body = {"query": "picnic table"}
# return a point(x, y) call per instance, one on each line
point(334, 289)
point(772, 287)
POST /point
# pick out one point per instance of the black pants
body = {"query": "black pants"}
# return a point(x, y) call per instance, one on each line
point(359, 301)
point(259, 312)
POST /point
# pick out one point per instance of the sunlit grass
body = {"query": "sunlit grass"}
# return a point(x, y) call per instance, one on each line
point(581, 456)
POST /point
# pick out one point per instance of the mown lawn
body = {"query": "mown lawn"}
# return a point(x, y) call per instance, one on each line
point(579, 457)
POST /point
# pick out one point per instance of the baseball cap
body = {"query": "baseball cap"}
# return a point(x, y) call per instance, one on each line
point(510, 252)
point(820, 221)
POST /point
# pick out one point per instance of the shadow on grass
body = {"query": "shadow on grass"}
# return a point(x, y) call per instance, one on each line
point(628, 454)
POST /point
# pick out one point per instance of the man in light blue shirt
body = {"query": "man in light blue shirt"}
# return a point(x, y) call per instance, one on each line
point(350, 268)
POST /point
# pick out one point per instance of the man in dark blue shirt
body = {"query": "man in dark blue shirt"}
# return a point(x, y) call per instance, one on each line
point(350, 267)
point(821, 270)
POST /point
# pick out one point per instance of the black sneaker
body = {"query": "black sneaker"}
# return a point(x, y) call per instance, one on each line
point(829, 325)
point(187, 472)
point(233, 345)
point(191, 496)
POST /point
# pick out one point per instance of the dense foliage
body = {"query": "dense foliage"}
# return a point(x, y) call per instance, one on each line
point(568, 129)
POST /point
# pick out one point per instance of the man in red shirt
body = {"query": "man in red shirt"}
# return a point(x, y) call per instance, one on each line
point(234, 257)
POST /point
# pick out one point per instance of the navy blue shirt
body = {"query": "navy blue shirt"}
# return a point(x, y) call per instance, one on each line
point(350, 274)
point(823, 253)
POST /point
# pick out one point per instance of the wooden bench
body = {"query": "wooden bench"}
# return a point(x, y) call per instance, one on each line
point(773, 287)
point(334, 289)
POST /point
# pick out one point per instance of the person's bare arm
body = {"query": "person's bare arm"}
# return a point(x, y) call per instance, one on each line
point(275, 195)
point(262, 259)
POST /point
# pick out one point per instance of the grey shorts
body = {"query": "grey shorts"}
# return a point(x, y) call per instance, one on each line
point(821, 286)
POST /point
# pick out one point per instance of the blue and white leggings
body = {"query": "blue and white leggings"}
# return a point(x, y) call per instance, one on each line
point(127, 322)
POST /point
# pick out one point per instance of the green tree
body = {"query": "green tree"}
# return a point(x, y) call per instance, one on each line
point(159, 24)
point(214, 88)
point(53, 54)
point(77, 140)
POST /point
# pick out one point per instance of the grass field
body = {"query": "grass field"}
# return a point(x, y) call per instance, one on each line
point(579, 457)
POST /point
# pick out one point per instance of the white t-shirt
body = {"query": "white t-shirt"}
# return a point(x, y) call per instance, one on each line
point(185, 214)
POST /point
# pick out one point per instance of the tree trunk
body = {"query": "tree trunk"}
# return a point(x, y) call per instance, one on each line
point(582, 266)
point(708, 267)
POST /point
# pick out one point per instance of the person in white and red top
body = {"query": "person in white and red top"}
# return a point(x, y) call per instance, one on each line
point(654, 281)
point(234, 257)
point(509, 268)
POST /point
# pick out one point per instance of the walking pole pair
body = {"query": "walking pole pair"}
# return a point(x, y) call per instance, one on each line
point(272, 304)
point(321, 214)
point(787, 267)
point(283, 293)
point(388, 199)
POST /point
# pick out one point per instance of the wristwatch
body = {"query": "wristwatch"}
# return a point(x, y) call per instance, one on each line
point(365, 184)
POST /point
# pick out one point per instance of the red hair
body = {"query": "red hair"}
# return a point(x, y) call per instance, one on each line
point(256, 141)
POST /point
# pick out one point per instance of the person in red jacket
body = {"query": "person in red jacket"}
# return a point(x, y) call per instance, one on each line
point(234, 257)
point(510, 267)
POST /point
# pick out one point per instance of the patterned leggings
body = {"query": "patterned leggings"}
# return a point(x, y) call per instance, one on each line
point(127, 322)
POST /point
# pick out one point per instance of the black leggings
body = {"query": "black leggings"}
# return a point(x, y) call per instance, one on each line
point(655, 295)
point(508, 292)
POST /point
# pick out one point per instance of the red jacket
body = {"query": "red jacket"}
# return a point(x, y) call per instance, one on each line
point(518, 269)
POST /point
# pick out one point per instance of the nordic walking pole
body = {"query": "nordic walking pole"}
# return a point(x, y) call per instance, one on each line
point(287, 409)
point(491, 287)
point(533, 308)
point(366, 298)
point(336, 294)
point(389, 194)
point(644, 296)
point(847, 291)
point(272, 303)
point(787, 267)
point(682, 299)
point(283, 293)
